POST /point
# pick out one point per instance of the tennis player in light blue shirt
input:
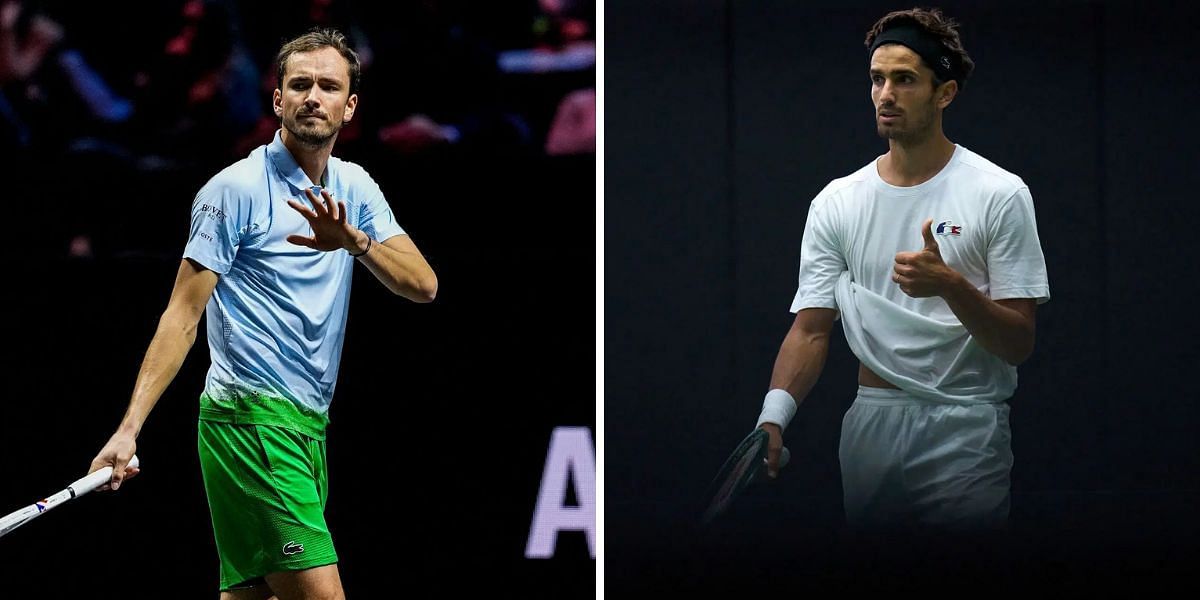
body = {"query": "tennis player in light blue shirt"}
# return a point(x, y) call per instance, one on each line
point(277, 318)
point(272, 246)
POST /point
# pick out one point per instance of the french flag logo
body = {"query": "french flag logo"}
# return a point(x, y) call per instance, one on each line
point(948, 228)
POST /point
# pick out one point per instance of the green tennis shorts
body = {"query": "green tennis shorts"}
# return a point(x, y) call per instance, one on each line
point(266, 488)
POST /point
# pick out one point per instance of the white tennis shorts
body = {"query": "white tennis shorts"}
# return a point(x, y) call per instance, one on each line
point(908, 463)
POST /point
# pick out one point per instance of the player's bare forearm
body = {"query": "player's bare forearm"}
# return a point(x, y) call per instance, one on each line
point(397, 263)
point(401, 268)
point(174, 338)
point(803, 351)
point(175, 335)
point(1005, 328)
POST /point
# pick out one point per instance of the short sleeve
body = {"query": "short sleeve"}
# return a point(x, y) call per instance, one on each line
point(220, 215)
point(375, 217)
point(822, 261)
point(1016, 266)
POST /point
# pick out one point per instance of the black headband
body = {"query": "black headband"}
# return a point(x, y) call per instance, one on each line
point(929, 48)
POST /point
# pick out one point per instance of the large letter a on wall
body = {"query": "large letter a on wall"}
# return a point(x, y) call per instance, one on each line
point(571, 458)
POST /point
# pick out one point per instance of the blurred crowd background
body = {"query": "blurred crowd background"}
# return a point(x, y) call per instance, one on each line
point(112, 115)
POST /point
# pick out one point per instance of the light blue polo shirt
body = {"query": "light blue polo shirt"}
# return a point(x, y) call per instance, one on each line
point(277, 318)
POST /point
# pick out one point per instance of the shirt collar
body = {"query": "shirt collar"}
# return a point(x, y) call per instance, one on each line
point(288, 167)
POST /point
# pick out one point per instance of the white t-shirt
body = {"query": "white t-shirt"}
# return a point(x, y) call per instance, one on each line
point(984, 224)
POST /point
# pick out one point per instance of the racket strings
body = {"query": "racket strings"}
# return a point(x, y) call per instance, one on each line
point(737, 472)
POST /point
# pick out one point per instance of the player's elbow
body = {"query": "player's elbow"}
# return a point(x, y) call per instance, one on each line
point(817, 336)
point(1019, 354)
point(180, 320)
point(1015, 361)
point(425, 289)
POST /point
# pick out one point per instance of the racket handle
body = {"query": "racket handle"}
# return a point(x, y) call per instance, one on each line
point(785, 456)
point(94, 480)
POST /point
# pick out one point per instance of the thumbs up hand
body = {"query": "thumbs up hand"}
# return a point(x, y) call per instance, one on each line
point(923, 274)
point(927, 234)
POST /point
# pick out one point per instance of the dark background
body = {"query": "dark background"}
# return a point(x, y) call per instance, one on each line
point(723, 120)
point(443, 412)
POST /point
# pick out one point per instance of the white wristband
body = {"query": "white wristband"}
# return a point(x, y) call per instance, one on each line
point(778, 407)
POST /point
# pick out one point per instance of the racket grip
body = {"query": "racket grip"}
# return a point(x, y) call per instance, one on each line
point(785, 456)
point(91, 481)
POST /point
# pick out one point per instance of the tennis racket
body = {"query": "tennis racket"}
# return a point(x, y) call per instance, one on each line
point(81, 486)
point(747, 464)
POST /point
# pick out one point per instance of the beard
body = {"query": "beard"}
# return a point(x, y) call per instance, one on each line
point(917, 125)
point(316, 133)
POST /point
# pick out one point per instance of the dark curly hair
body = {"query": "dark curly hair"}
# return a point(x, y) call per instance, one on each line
point(933, 22)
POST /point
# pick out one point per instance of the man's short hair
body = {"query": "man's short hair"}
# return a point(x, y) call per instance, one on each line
point(316, 39)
